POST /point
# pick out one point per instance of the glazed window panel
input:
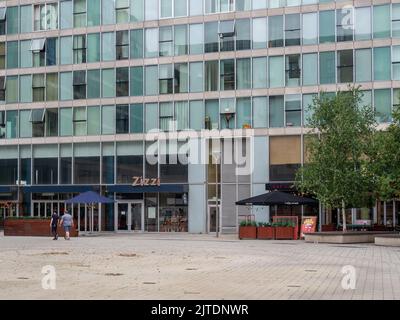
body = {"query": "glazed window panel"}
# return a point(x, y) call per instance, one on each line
point(196, 77)
point(166, 41)
point(122, 82)
point(326, 26)
point(293, 71)
point(383, 105)
point(137, 10)
point(93, 47)
point(25, 128)
point(181, 40)
point(66, 16)
point(292, 29)
point(180, 8)
point(243, 5)
point(227, 74)
point(211, 80)
point(293, 110)
point(285, 157)
point(310, 69)
point(243, 76)
point(381, 23)
point(195, 7)
point(122, 12)
point(65, 86)
point(396, 20)
point(108, 83)
point(108, 46)
point(327, 67)
point(363, 65)
point(151, 46)
point(275, 31)
point(243, 113)
point(363, 25)
point(136, 118)
point(38, 87)
point(12, 20)
point(310, 28)
point(276, 72)
point(136, 44)
point(66, 122)
point(396, 62)
point(276, 112)
point(122, 119)
point(93, 84)
point(196, 115)
point(259, 33)
point(166, 79)
point(345, 66)
point(151, 80)
point(79, 83)
point(12, 89)
point(25, 81)
point(51, 48)
point(80, 121)
point(259, 4)
point(93, 12)
point(51, 86)
point(151, 116)
point(196, 36)
point(181, 78)
point(260, 79)
point(226, 33)
point(166, 120)
point(166, 7)
point(151, 9)
point(382, 63)
point(108, 120)
point(122, 45)
point(211, 120)
point(3, 53)
point(136, 81)
point(344, 24)
point(66, 50)
point(12, 54)
point(243, 34)
point(93, 121)
point(25, 53)
point(79, 13)
point(26, 22)
point(108, 11)
point(52, 122)
point(211, 38)
point(79, 48)
point(260, 112)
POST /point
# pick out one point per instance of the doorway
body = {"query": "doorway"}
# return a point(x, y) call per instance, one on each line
point(212, 219)
point(129, 216)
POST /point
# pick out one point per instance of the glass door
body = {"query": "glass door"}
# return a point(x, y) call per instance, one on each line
point(122, 216)
point(212, 218)
point(130, 216)
point(136, 214)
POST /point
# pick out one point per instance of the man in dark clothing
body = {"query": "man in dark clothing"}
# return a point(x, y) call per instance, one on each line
point(54, 224)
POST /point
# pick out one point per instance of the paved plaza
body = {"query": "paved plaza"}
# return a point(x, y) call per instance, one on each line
point(182, 266)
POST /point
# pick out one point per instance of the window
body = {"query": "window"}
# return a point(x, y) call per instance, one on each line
point(327, 67)
point(211, 75)
point(363, 65)
point(293, 110)
point(36, 118)
point(2, 89)
point(345, 66)
point(211, 120)
point(79, 121)
point(108, 120)
point(166, 8)
point(310, 28)
point(182, 115)
point(383, 105)
point(51, 86)
point(243, 113)
point(3, 20)
point(382, 63)
point(226, 33)
point(38, 52)
point(93, 47)
point(275, 31)
point(122, 14)
point(195, 7)
point(292, 70)
point(151, 80)
point(25, 81)
point(167, 116)
point(66, 50)
point(259, 4)
point(211, 38)
point(79, 13)
point(12, 54)
point(79, 49)
point(166, 42)
point(2, 55)
point(381, 21)
point(93, 120)
point(137, 10)
point(151, 117)
point(66, 122)
point(166, 79)
point(310, 69)
point(93, 13)
point(227, 112)
point(180, 8)
point(122, 45)
point(45, 169)
point(12, 89)
point(196, 35)
point(227, 74)
point(51, 51)
point(260, 79)
point(66, 86)
point(260, 112)
point(181, 42)
point(66, 14)
point(396, 20)
point(26, 22)
point(396, 62)
point(151, 49)
point(243, 74)
point(136, 118)
point(25, 125)
point(45, 16)
point(136, 81)
point(196, 115)
point(285, 157)
point(122, 84)
point(196, 77)
point(151, 9)
point(51, 122)
point(12, 20)
point(181, 77)
point(292, 29)
point(108, 11)
point(108, 46)
point(243, 37)
point(276, 112)
point(363, 23)
point(108, 87)
point(122, 119)
point(344, 24)
point(326, 26)
point(79, 84)
point(259, 33)
point(276, 71)
point(243, 5)
point(137, 44)
point(38, 87)
point(93, 84)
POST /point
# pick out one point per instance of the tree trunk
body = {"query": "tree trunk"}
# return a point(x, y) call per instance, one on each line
point(344, 217)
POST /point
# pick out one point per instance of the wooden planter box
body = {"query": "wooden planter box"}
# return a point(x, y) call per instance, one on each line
point(285, 233)
point(266, 233)
point(33, 228)
point(247, 232)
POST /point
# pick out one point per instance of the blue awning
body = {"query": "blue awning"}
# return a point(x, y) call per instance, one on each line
point(164, 188)
point(4, 189)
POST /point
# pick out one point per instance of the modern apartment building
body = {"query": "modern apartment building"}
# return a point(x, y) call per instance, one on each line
point(86, 85)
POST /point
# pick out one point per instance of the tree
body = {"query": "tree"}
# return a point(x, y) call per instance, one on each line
point(338, 144)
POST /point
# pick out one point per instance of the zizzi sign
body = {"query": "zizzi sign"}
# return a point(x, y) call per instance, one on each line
point(140, 181)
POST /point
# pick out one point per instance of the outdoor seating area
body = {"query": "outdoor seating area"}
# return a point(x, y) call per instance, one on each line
point(175, 223)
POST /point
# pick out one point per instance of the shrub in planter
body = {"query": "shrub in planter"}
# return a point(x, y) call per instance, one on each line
point(248, 230)
point(265, 231)
point(284, 230)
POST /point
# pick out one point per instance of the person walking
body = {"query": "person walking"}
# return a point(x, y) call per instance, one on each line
point(67, 222)
point(54, 224)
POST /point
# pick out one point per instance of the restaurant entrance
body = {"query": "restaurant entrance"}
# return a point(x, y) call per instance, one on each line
point(129, 216)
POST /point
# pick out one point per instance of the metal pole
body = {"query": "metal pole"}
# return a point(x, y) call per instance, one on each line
point(217, 202)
